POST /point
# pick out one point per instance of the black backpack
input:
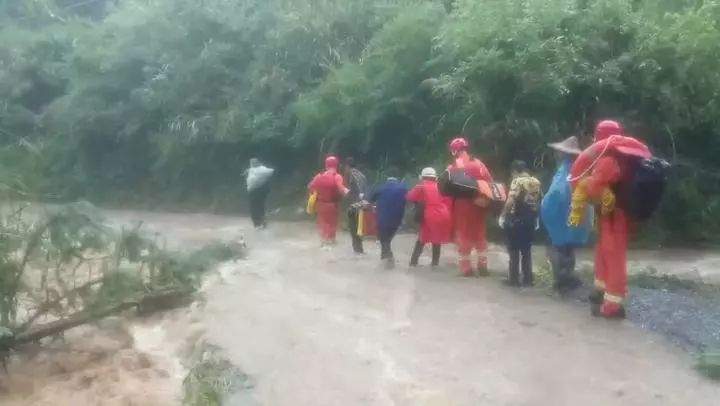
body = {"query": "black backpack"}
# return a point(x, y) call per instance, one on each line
point(457, 183)
point(645, 189)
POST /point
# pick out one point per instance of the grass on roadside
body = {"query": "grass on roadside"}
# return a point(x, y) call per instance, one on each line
point(650, 278)
point(708, 364)
point(212, 378)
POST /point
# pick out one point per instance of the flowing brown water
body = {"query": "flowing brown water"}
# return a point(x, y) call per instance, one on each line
point(329, 328)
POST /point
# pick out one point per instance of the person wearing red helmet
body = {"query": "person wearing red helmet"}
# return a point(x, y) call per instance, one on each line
point(597, 176)
point(606, 128)
point(468, 215)
point(330, 189)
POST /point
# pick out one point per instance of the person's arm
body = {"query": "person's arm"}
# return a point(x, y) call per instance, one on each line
point(340, 183)
point(415, 194)
point(595, 188)
point(605, 173)
point(312, 186)
point(485, 173)
point(362, 185)
point(515, 189)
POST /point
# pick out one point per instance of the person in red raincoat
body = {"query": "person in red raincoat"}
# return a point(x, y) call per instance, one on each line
point(436, 222)
point(330, 189)
point(468, 215)
point(597, 176)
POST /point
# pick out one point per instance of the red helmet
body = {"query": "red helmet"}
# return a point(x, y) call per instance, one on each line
point(606, 128)
point(458, 144)
point(331, 162)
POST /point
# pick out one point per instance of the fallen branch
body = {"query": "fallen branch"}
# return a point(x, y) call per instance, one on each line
point(47, 306)
point(149, 303)
point(59, 326)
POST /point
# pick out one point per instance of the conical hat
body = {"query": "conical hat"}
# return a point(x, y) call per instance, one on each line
point(569, 146)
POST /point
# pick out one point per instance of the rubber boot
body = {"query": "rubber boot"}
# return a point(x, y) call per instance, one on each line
point(611, 310)
point(417, 251)
point(596, 299)
point(466, 267)
point(435, 255)
point(597, 296)
point(482, 267)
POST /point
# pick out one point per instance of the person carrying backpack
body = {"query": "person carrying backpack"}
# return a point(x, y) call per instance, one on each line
point(611, 173)
point(519, 219)
point(554, 213)
point(357, 185)
point(469, 213)
point(435, 217)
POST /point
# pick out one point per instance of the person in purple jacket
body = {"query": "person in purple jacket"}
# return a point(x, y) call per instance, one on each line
point(390, 206)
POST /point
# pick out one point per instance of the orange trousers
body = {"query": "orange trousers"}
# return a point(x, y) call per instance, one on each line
point(469, 229)
point(327, 220)
point(611, 256)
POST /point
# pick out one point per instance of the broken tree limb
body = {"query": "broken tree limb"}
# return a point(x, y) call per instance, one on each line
point(67, 323)
point(148, 303)
point(49, 305)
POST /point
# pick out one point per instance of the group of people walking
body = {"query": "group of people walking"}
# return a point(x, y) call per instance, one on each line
point(442, 218)
point(454, 208)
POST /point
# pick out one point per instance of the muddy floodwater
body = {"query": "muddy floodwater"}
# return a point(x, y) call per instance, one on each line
point(314, 327)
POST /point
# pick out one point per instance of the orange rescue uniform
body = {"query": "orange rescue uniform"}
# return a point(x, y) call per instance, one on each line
point(613, 228)
point(469, 218)
point(330, 188)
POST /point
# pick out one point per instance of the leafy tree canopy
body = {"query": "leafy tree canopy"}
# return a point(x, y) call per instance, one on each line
point(134, 100)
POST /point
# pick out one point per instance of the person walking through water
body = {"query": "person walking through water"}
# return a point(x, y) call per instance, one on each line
point(390, 201)
point(330, 189)
point(357, 185)
point(435, 220)
point(258, 187)
point(554, 213)
point(519, 219)
point(468, 215)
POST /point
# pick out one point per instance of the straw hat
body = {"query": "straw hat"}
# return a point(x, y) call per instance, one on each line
point(568, 146)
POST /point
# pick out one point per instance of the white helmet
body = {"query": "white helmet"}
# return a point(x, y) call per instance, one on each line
point(428, 173)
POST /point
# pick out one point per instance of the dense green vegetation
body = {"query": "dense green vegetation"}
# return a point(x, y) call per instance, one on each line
point(133, 101)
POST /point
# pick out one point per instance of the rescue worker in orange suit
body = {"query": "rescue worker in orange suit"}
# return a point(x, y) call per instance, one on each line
point(330, 189)
point(599, 182)
point(468, 215)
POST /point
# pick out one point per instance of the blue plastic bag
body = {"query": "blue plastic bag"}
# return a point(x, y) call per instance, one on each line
point(556, 208)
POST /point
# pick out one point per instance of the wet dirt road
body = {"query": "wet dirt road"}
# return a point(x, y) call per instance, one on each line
point(329, 328)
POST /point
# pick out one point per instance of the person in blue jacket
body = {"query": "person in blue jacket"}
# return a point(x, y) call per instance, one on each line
point(390, 206)
point(554, 213)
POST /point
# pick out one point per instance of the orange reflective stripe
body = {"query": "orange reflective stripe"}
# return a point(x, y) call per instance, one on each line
point(613, 299)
